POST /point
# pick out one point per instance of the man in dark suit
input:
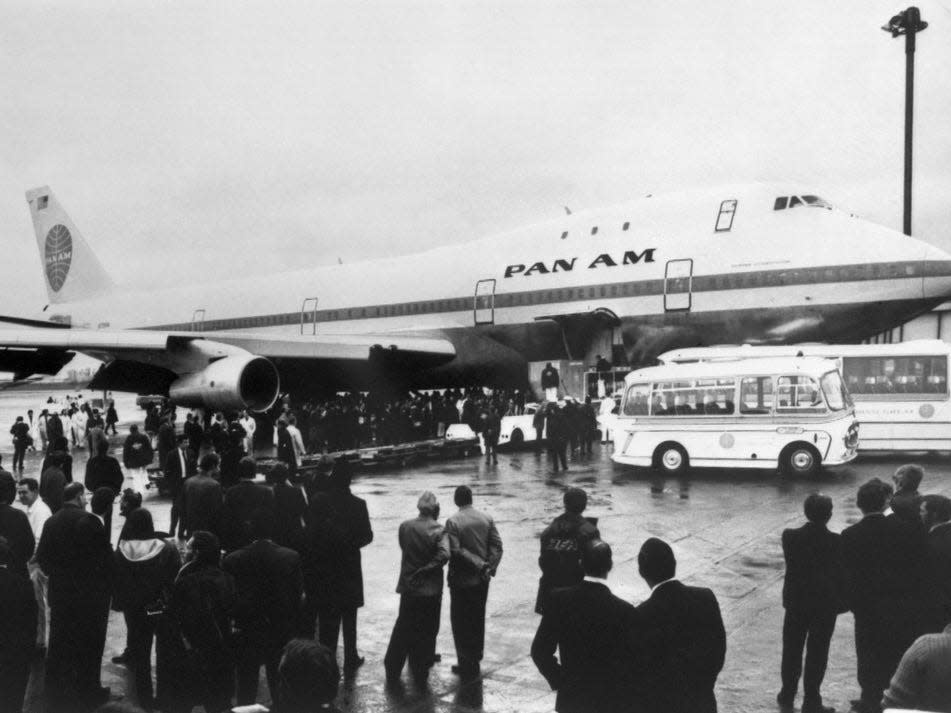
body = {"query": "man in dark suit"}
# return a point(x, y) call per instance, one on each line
point(596, 636)
point(684, 636)
point(936, 517)
point(241, 500)
point(15, 526)
point(202, 497)
point(813, 597)
point(179, 466)
point(17, 632)
point(338, 526)
point(102, 470)
point(884, 564)
point(75, 554)
point(906, 502)
point(267, 611)
point(194, 433)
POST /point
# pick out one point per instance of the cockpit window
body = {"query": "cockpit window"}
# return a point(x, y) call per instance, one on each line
point(817, 202)
point(783, 202)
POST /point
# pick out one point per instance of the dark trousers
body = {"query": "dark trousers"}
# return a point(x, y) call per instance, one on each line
point(14, 676)
point(19, 449)
point(538, 438)
point(141, 632)
point(880, 640)
point(467, 614)
point(74, 657)
point(330, 621)
point(250, 657)
point(812, 630)
point(556, 451)
point(178, 521)
point(414, 636)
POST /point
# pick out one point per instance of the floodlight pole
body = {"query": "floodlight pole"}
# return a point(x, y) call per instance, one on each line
point(909, 24)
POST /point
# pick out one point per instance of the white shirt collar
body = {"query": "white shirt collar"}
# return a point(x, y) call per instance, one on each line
point(660, 584)
point(596, 580)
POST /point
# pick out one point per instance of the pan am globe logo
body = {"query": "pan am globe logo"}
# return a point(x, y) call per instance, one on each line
point(59, 255)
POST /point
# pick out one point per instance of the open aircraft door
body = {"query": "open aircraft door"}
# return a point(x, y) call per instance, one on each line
point(678, 283)
point(308, 316)
point(484, 308)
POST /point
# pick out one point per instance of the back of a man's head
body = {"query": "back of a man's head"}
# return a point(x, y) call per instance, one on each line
point(908, 477)
point(209, 463)
point(655, 561)
point(309, 676)
point(576, 500)
point(72, 491)
point(872, 496)
point(463, 496)
point(102, 500)
point(937, 508)
point(596, 558)
point(818, 508)
point(247, 468)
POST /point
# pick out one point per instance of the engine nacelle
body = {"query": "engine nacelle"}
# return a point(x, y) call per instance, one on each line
point(229, 384)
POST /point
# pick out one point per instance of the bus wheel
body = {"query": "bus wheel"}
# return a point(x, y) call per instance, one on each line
point(517, 438)
point(671, 458)
point(800, 459)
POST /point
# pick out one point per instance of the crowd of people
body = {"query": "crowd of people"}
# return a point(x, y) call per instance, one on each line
point(251, 570)
point(892, 570)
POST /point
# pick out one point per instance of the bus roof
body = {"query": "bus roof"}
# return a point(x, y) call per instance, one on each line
point(918, 347)
point(809, 366)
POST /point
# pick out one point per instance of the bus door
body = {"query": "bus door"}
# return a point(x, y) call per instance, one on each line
point(484, 307)
point(198, 320)
point(678, 283)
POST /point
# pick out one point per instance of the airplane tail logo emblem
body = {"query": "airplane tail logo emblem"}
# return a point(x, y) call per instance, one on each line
point(59, 256)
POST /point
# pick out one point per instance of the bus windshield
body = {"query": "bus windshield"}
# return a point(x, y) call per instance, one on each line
point(837, 396)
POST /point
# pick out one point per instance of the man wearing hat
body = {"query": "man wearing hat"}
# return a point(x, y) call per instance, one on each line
point(425, 547)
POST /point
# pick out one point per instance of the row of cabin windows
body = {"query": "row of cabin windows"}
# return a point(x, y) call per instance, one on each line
point(594, 229)
point(724, 221)
point(626, 289)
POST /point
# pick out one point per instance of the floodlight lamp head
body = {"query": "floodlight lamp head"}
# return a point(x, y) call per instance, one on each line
point(896, 26)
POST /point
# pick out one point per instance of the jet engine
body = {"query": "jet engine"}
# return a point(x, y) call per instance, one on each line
point(243, 381)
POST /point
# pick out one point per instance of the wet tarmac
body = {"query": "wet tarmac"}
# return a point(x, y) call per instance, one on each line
point(724, 527)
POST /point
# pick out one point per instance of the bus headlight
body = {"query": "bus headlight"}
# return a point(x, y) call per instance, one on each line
point(852, 436)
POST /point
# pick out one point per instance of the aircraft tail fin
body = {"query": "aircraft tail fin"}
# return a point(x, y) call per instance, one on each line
point(71, 269)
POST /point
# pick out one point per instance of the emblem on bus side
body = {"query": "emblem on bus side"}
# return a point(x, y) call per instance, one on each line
point(59, 256)
point(727, 440)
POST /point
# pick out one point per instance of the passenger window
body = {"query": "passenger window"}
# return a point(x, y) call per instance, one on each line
point(918, 375)
point(756, 395)
point(564, 235)
point(594, 230)
point(798, 393)
point(626, 226)
point(780, 203)
point(635, 401)
point(795, 201)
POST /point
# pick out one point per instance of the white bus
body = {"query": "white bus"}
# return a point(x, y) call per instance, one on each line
point(900, 390)
point(792, 413)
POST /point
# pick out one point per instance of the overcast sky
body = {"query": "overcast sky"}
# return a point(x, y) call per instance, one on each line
point(194, 140)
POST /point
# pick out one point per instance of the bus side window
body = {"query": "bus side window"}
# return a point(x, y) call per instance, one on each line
point(756, 395)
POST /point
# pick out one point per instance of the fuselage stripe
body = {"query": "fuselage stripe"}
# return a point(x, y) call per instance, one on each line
point(784, 277)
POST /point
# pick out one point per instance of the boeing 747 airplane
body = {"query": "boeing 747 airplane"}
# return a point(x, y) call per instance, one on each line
point(758, 264)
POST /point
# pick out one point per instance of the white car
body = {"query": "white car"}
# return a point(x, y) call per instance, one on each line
point(460, 432)
point(516, 430)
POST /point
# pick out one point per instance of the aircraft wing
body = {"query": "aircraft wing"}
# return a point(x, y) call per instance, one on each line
point(147, 361)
